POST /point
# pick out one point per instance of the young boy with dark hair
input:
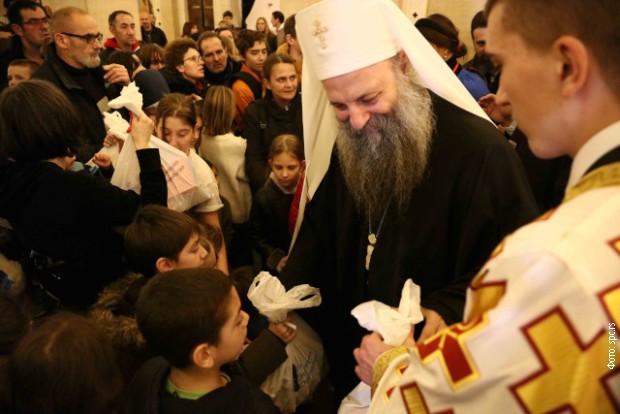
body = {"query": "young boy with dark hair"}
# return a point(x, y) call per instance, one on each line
point(193, 319)
point(248, 82)
point(161, 239)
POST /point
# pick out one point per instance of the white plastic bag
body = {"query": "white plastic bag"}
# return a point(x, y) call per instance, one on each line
point(183, 191)
point(394, 325)
point(297, 378)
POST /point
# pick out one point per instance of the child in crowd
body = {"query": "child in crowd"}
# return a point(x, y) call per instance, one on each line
point(226, 152)
point(152, 56)
point(66, 365)
point(157, 240)
point(20, 70)
point(269, 218)
point(177, 124)
point(225, 213)
point(193, 319)
point(248, 83)
point(161, 239)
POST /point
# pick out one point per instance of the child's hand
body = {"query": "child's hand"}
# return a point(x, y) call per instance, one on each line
point(283, 331)
point(141, 130)
point(102, 160)
point(111, 140)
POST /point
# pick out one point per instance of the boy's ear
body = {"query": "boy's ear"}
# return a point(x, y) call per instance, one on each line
point(163, 264)
point(203, 357)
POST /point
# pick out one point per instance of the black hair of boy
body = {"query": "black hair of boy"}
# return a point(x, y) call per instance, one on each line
point(156, 232)
point(246, 39)
point(181, 309)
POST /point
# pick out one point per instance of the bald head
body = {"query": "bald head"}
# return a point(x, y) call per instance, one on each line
point(63, 19)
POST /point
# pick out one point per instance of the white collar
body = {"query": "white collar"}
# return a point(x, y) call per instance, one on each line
point(597, 146)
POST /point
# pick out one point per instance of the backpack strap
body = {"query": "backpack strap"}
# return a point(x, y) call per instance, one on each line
point(255, 85)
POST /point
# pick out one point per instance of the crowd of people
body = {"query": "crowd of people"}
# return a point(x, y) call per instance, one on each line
point(491, 183)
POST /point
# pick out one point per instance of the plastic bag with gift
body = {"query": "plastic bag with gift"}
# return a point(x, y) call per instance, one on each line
point(296, 379)
point(394, 325)
point(184, 190)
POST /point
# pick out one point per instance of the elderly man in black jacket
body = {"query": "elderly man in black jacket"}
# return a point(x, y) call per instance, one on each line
point(72, 63)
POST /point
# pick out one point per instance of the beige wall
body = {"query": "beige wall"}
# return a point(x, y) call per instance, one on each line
point(173, 12)
point(99, 9)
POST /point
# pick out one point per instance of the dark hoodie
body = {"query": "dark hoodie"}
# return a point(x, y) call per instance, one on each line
point(68, 219)
point(147, 394)
point(225, 77)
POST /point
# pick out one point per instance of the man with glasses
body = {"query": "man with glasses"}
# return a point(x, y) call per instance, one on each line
point(73, 64)
point(30, 24)
point(123, 29)
point(219, 67)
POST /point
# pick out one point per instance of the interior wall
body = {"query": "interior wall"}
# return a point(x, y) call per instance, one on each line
point(100, 10)
point(173, 13)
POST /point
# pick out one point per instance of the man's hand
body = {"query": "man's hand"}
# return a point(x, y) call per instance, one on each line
point(434, 324)
point(501, 114)
point(116, 73)
point(372, 346)
point(281, 264)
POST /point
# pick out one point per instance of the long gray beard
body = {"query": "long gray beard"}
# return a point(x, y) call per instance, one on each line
point(386, 160)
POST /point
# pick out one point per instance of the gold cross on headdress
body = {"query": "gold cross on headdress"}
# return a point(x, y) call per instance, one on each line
point(319, 31)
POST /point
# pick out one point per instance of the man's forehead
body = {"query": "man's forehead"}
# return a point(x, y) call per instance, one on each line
point(80, 24)
point(495, 33)
point(28, 13)
point(359, 82)
point(123, 19)
point(212, 43)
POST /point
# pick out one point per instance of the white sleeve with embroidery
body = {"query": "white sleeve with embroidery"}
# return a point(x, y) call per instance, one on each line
point(542, 318)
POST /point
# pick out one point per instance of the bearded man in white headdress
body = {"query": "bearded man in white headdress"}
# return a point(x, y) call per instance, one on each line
point(419, 184)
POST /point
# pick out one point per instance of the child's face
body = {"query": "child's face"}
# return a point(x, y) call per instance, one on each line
point(198, 129)
point(193, 255)
point(178, 133)
point(234, 331)
point(286, 169)
point(255, 57)
point(17, 74)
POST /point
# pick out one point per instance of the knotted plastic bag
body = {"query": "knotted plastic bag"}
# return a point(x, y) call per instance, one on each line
point(296, 379)
point(394, 325)
point(184, 190)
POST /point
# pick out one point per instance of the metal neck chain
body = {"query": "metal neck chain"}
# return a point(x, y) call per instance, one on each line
point(380, 222)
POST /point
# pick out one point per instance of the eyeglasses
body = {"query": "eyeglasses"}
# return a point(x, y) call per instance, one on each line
point(90, 38)
point(195, 59)
point(37, 22)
